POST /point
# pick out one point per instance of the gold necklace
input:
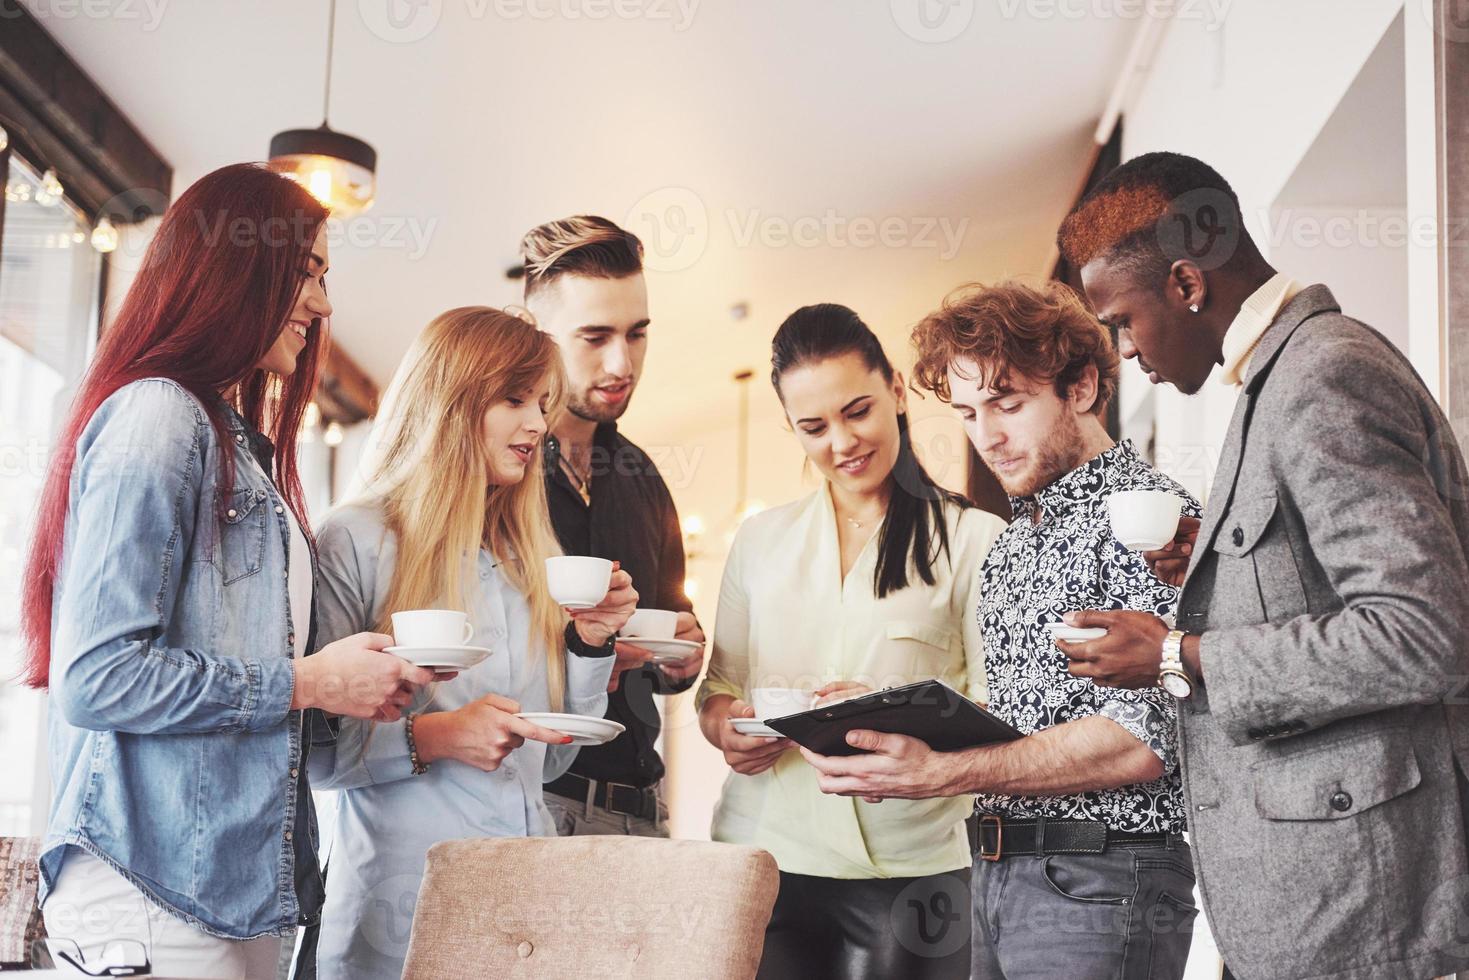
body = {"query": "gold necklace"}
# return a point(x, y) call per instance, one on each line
point(583, 487)
point(864, 521)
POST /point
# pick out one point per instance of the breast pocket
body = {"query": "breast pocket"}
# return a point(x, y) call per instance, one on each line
point(1258, 580)
point(924, 647)
point(242, 536)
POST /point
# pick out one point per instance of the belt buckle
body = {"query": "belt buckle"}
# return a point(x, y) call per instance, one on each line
point(612, 789)
point(984, 820)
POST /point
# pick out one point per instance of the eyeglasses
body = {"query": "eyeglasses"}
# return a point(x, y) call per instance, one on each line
point(117, 958)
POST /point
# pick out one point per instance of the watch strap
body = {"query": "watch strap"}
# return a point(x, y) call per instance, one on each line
point(582, 648)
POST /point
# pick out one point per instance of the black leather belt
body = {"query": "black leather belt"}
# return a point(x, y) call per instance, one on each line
point(1002, 837)
point(629, 801)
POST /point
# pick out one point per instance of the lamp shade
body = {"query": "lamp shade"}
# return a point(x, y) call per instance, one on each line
point(339, 170)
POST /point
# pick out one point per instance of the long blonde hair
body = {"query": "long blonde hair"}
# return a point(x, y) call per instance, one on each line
point(427, 467)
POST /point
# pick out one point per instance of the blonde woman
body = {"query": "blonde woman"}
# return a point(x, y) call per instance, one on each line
point(452, 515)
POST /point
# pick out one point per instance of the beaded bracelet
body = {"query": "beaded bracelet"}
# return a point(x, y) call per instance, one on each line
point(419, 766)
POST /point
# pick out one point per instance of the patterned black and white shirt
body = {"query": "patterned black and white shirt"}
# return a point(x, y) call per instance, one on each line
point(1069, 560)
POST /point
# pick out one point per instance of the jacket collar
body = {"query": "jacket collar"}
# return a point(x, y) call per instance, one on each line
point(245, 435)
point(1307, 303)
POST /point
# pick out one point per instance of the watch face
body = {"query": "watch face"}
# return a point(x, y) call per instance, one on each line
point(1176, 684)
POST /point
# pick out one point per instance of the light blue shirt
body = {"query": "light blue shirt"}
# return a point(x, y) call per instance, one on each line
point(388, 818)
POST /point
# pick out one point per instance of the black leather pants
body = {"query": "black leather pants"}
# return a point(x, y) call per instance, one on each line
point(869, 929)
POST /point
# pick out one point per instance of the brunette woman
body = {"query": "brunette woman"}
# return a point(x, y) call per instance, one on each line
point(872, 581)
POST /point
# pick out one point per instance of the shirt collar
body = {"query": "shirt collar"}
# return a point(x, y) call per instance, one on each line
point(258, 443)
point(604, 435)
point(1093, 479)
point(1254, 318)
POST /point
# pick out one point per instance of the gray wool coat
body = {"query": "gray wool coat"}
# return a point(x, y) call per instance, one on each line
point(1330, 582)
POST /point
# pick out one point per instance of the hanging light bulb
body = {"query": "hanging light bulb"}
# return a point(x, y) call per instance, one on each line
point(339, 170)
point(333, 435)
point(50, 192)
point(4, 139)
point(104, 236)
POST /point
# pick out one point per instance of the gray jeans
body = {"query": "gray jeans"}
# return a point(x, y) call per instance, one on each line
point(573, 819)
point(1122, 915)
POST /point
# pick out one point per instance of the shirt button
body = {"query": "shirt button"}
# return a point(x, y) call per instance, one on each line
point(295, 773)
point(240, 439)
point(1238, 537)
point(1341, 801)
point(232, 513)
point(291, 638)
point(524, 949)
point(279, 509)
point(288, 835)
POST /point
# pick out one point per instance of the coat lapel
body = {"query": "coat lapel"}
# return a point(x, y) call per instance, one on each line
point(1308, 303)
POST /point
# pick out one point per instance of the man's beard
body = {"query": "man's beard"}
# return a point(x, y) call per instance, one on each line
point(1058, 455)
point(584, 408)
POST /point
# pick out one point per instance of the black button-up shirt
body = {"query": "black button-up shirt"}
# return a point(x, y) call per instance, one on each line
point(632, 520)
point(1035, 573)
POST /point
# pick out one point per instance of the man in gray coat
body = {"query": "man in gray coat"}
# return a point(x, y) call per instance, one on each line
point(1320, 650)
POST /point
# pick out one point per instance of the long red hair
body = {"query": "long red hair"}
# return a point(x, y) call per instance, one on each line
point(215, 289)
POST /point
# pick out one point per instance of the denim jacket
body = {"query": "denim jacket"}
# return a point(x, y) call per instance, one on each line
point(175, 755)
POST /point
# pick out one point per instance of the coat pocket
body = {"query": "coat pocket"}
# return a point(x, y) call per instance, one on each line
point(1241, 529)
point(1338, 780)
point(242, 535)
point(1257, 566)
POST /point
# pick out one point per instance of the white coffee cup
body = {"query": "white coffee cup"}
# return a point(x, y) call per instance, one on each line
point(578, 581)
point(652, 624)
point(772, 702)
point(431, 628)
point(1144, 520)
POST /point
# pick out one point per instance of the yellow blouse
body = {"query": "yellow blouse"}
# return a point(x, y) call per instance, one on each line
point(787, 619)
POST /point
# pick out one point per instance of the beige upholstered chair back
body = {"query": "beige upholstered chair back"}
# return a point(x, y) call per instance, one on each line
point(591, 907)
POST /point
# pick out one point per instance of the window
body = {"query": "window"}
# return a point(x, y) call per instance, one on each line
point(50, 279)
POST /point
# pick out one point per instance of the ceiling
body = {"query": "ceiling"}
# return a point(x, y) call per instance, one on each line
point(769, 152)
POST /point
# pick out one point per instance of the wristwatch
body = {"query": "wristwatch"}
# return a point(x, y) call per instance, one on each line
point(1171, 675)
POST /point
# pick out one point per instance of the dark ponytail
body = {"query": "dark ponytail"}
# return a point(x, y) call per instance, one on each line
point(915, 532)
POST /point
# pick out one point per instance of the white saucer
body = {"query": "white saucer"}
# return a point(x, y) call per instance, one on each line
point(583, 729)
point(441, 659)
point(754, 727)
point(665, 651)
point(1075, 634)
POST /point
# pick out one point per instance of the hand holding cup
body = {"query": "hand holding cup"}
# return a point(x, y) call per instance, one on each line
point(600, 622)
point(1170, 563)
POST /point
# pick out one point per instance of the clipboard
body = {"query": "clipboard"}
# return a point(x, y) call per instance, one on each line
point(930, 711)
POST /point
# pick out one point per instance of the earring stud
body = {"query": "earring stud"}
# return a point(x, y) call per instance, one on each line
point(1193, 307)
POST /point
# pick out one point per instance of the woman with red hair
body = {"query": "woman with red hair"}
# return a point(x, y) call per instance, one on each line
point(169, 597)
